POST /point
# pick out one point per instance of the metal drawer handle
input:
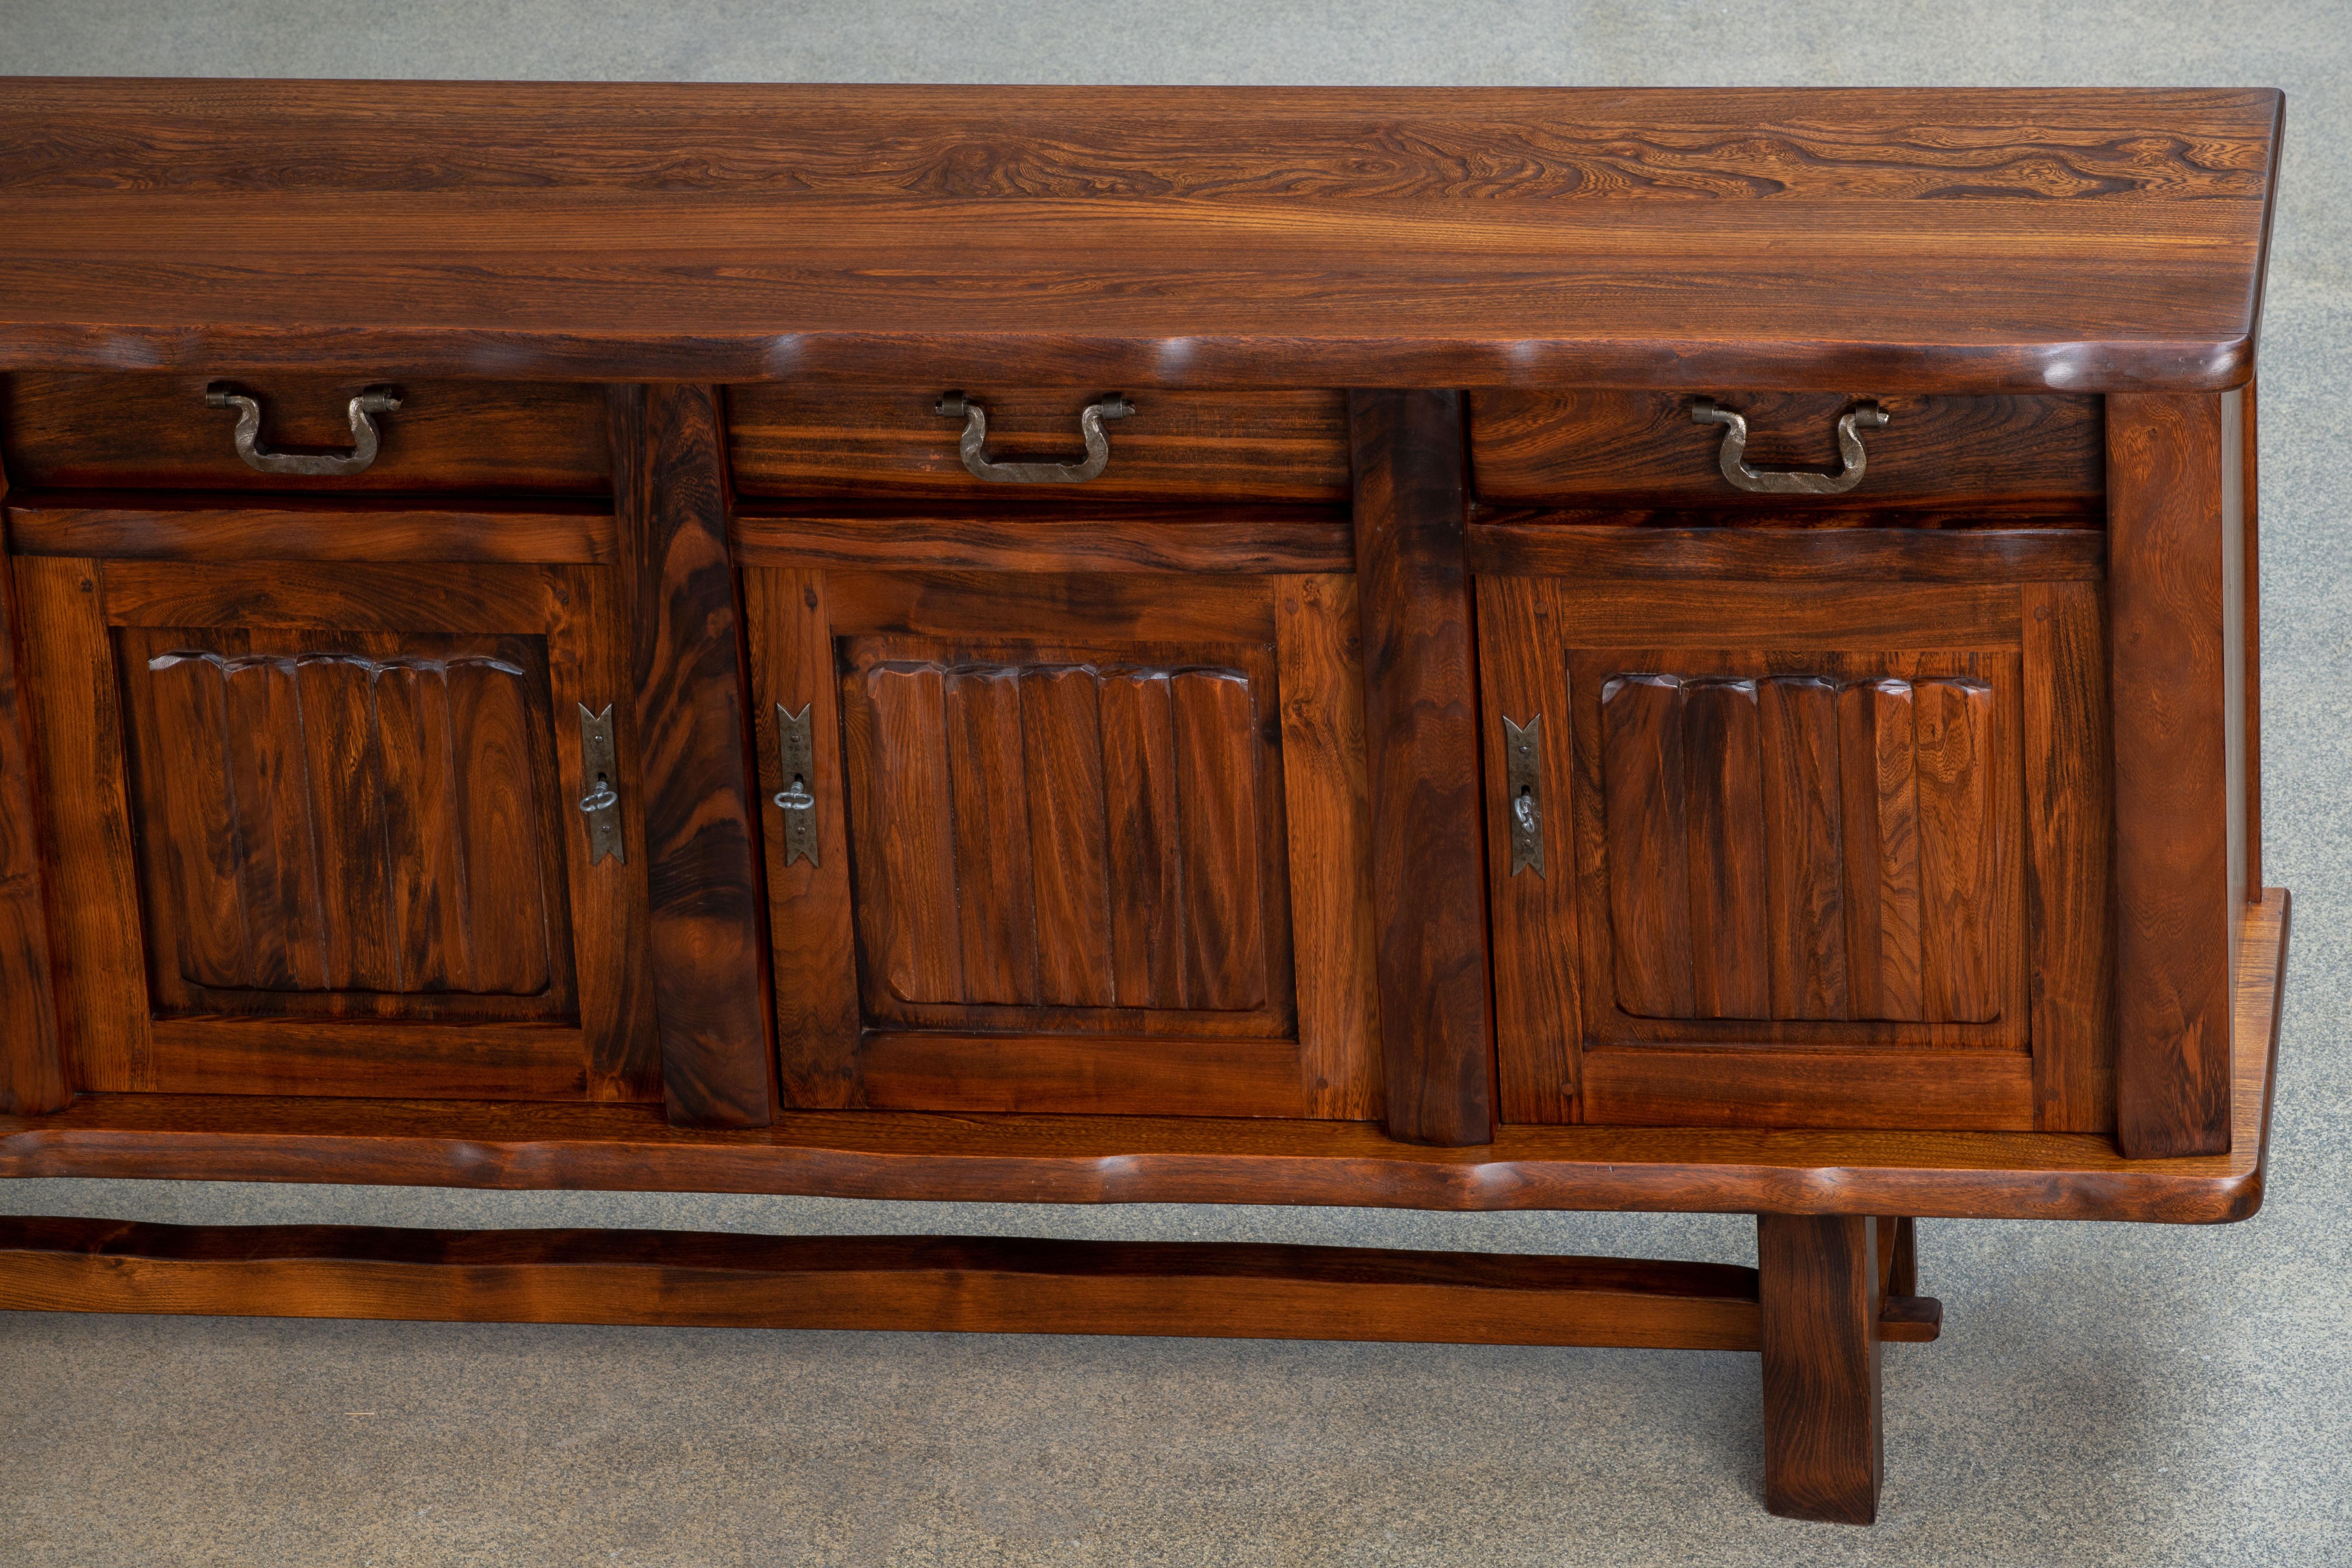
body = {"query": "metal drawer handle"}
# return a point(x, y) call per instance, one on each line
point(1789, 481)
point(375, 400)
point(974, 445)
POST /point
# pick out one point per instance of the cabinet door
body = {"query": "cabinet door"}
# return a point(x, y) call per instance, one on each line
point(1825, 850)
point(1072, 843)
point(319, 828)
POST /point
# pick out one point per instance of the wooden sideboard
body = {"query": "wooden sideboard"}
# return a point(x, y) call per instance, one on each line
point(1575, 649)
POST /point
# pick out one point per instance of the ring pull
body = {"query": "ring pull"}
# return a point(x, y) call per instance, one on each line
point(375, 400)
point(974, 446)
point(1789, 481)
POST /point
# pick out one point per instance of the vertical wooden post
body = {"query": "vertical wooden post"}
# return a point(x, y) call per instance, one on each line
point(1421, 734)
point(677, 584)
point(2175, 611)
point(1820, 1293)
point(32, 1053)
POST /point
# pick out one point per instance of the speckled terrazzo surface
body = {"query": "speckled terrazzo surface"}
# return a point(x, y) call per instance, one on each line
point(2103, 1394)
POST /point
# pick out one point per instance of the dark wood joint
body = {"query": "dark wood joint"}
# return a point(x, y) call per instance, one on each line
point(1420, 731)
point(686, 665)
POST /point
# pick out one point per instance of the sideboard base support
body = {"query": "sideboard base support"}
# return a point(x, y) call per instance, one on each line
point(1799, 1308)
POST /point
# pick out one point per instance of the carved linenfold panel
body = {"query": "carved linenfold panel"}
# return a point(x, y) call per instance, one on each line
point(1798, 847)
point(340, 822)
point(1041, 834)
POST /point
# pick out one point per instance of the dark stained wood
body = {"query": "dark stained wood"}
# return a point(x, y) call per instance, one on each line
point(1216, 796)
point(80, 431)
point(1650, 894)
point(1538, 1004)
point(926, 1284)
point(1961, 829)
point(2174, 608)
point(991, 859)
point(709, 997)
point(970, 537)
point(1582, 544)
point(313, 1056)
point(1160, 1074)
point(1804, 893)
point(177, 528)
point(1878, 764)
point(1319, 650)
point(402, 597)
point(1643, 449)
point(1724, 816)
point(2030, 1176)
point(1769, 616)
point(1656, 1086)
point(1835, 928)
point(32, 1048)
point(1898, 1256)
point(1062, 736)
point(1420, 733)
point(1068, 607)
point(897, 741)
point(805, 438)
point(72, 690)
point(2250, 516)
point(1820, 1294)
point(1149, 936)
point(811, 937)
point(1142, 238)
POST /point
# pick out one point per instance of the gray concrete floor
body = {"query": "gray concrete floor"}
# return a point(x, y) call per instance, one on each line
point(2103, 1395)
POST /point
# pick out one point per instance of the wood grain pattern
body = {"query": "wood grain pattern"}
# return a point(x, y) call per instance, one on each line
point(1820, 1294)
point(1784, 845)
point(1658, 1086)
point(302, 792)
point(811, 937)
point(799, 438)
point(1061, 835)
point(1774, 617)
point(1713, 546)
point(1724, 816)
point(711, 984)
point(2251, 566)
point(1648, 854)
point(400, 597)
point(2021, 1175)
point(178, 529)
point(33, 1077)
point(1421, 730)
point(1164, 1075)
point(1960, 850)
point(2172, 617)
point(1203, 238)
point(966, 536)
point(1326, 801)
point(1643, 449)
point(325, 1057)
point(71, 685)
point(928, 1284)
point(1538, 1001)
point(73, 430)
point(1067, 606)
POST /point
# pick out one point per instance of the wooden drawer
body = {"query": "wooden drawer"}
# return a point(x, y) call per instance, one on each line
point(787, 440)
point(75, 430)
point(1643, 449)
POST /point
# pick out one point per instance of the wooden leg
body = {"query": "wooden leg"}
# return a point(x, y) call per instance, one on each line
point(1821, 1285)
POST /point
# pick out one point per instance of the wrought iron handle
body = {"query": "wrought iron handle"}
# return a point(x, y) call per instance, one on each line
point(601, 803)
point(974, 445)
point(796, 751)
point(1789, 481)
point(1523, 777)
point(375, 400)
